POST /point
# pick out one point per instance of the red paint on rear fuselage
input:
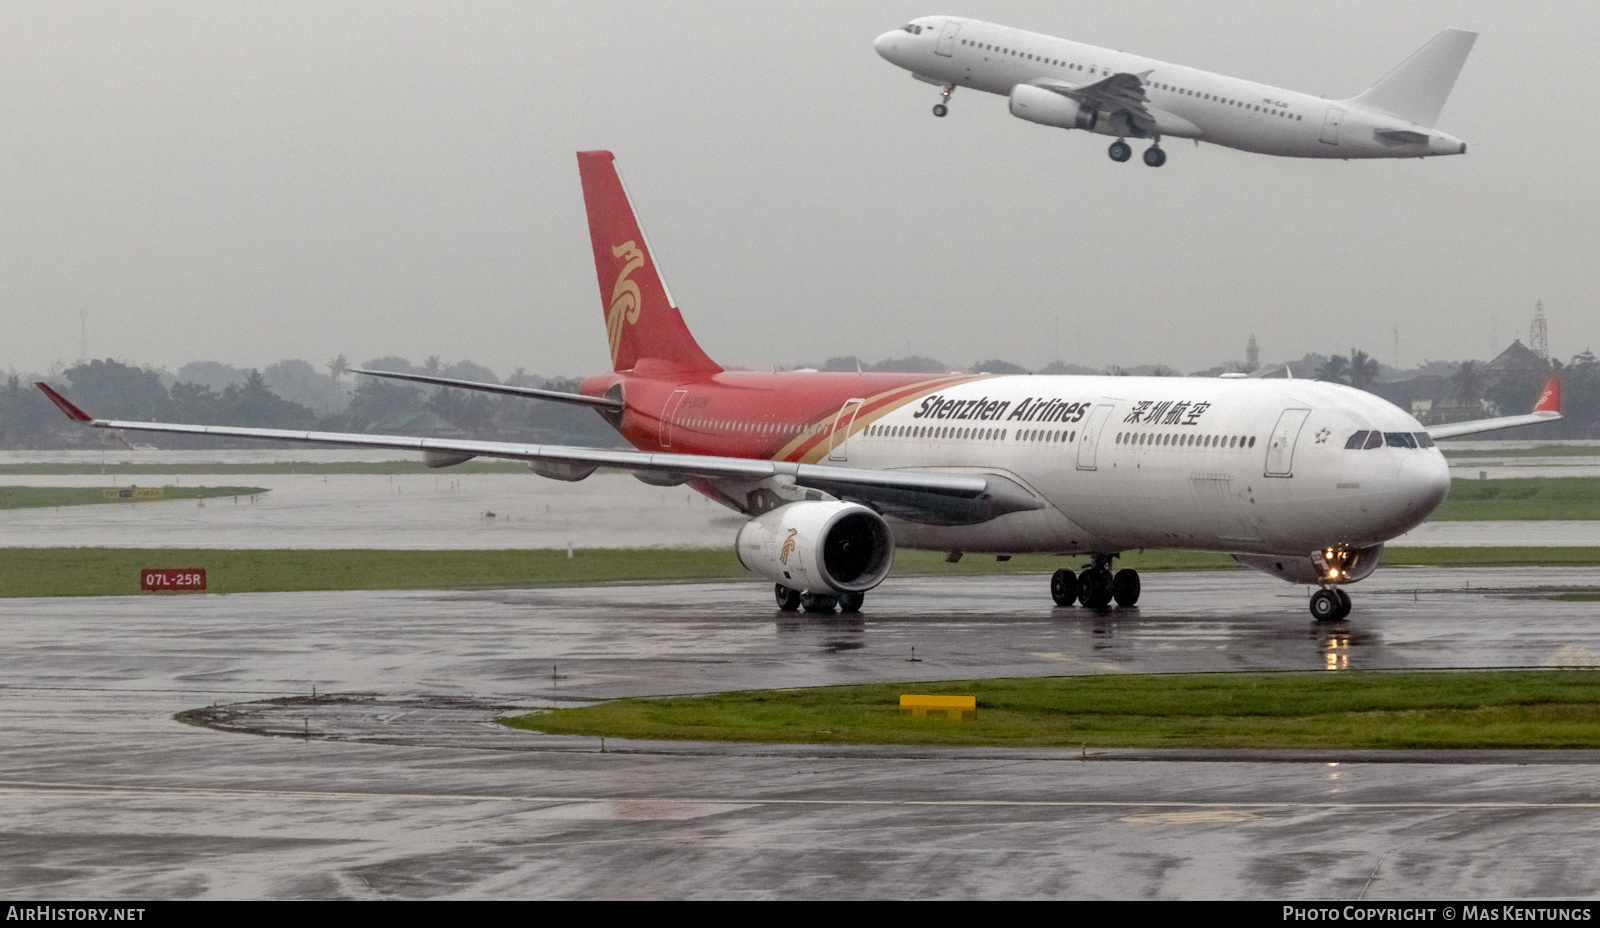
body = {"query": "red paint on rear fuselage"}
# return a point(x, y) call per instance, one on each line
point(789, 415)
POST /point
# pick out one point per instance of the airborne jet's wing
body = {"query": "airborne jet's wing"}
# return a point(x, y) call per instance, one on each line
point(1120, 91)
point(1548, 409)
point(940, 498)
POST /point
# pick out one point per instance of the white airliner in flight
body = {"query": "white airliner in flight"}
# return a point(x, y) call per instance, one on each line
point(1069, 85)
point(1300, 479)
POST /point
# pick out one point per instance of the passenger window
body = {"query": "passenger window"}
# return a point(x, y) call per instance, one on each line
point(1357, 440)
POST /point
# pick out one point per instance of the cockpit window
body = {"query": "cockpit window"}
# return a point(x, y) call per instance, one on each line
point(1357, 440)
point(1424, 440)
point(1399, 440)
point(1374, 440)
point(913, 28)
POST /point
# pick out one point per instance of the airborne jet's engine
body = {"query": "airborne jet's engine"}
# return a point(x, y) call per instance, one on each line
point(1048, 108)
point(818, 547)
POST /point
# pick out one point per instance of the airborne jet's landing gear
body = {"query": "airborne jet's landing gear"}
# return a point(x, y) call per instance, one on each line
point(1330, 604)
point(1120, 151)
point(942, 107)
point(1154, 156)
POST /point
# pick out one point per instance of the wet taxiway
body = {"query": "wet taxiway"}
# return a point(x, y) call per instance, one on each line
point(397, 783)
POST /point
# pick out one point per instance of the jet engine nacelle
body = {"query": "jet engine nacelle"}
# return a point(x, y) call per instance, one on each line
point(818, 547)
point(1048, 108)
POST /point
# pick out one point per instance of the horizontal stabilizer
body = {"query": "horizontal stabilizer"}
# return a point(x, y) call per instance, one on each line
point(530, 392)
point(1400, 137)
point(1417, 89)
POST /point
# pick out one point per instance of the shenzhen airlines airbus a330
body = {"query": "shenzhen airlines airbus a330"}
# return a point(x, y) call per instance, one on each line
point(1069, 85)
point(1300, 479)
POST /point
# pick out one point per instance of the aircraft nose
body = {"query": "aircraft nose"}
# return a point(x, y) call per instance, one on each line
point(886, 44)
point(1425, 481)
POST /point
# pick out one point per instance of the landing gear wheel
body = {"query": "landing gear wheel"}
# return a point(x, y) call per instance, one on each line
point(788, 600)
point(851, 602)
point(1125, 587)
point(1344, 604)
point(1325, 605)
point(939, 109)
point(1064, 587)
point(818, 602)
point(1155, 157)
point(1120, 151)
point(1094, 588)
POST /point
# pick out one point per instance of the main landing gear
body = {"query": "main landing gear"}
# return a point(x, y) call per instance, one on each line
point(942, 107)
point(793, 600)
point(1121, 151)
point(1330, 604)
point(1097, 587)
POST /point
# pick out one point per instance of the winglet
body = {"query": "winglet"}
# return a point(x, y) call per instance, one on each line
point(65, 405)
point(1550, 399)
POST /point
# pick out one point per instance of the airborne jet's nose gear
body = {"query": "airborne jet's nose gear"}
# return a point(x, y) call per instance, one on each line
point(941, 108)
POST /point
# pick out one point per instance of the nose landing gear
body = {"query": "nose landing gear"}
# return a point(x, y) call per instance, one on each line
point(1331, 604)
point(941, 108)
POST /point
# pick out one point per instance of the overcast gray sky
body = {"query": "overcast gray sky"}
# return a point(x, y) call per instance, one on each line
point(246, 182)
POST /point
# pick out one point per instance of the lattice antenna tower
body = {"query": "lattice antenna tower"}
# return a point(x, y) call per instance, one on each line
point(1538, 334)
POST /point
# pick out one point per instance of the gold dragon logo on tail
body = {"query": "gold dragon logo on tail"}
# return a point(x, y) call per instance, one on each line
point(788, 547)
point(625, 299)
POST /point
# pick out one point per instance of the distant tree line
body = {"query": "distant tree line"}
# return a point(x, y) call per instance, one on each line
point(293, 394)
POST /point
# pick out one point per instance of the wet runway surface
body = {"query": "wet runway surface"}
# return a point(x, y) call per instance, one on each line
point(397, 783)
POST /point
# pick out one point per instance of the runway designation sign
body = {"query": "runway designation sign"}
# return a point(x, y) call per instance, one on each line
point(172, 579)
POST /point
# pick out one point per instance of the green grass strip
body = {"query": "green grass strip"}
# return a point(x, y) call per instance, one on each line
point(1361, 710)
point(1537, 451)
point(1521, 498)
point(115, 571)
point(275, 467)
point(44, 497)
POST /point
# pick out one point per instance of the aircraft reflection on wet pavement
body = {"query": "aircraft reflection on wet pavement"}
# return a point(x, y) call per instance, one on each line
point(1299, 479)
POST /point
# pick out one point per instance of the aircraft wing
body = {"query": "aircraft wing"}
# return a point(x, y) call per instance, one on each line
point(1120, 91)
point(940, 498)
point(1548, 409)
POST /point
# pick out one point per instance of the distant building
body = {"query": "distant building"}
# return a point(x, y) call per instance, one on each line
point(1518, 357)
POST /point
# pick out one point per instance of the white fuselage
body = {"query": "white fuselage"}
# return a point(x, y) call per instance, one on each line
point(1246, 466)
point(1215, 108)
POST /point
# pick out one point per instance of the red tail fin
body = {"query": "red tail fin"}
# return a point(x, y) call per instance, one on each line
point(1550, 399)
point(641, 321)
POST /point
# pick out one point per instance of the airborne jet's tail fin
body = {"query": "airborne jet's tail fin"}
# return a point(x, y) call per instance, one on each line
point(641, 321)
point(1417, 89)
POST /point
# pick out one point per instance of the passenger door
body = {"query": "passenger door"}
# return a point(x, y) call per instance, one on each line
point(947, 39)
point(668, 413)
point(1089, 441)
point(1330, 125)
point(1280, 447)
point(841, 429)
